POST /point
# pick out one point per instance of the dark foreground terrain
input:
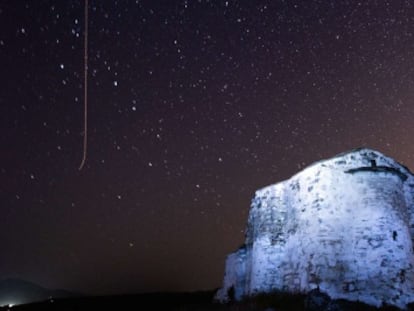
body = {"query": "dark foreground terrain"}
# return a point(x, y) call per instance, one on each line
point(315, 301)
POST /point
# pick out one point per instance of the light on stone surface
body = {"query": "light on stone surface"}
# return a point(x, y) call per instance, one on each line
point(341, 225)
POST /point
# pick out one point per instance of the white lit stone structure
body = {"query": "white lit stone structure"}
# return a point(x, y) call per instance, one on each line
point(343, 225)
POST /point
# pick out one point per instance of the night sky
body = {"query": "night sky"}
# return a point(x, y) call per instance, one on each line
point(193, 105)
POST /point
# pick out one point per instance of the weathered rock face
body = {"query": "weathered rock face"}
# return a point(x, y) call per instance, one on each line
point(343, 225)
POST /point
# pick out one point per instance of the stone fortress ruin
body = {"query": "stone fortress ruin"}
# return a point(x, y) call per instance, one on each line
point(344, 225)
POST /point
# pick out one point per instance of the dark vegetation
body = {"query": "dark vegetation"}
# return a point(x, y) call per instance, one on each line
point(315, 301)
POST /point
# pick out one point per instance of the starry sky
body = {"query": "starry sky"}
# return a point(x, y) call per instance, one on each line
point(192, 106)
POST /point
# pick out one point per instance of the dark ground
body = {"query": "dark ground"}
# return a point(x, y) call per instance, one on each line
point(201, 301)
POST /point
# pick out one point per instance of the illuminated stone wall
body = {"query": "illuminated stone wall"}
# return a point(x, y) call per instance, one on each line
point(343, 225)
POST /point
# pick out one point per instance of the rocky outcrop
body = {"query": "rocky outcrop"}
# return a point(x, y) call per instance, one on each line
point(343, 226)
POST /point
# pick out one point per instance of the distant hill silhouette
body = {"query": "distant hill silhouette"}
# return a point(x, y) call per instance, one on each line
point(16, 291)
